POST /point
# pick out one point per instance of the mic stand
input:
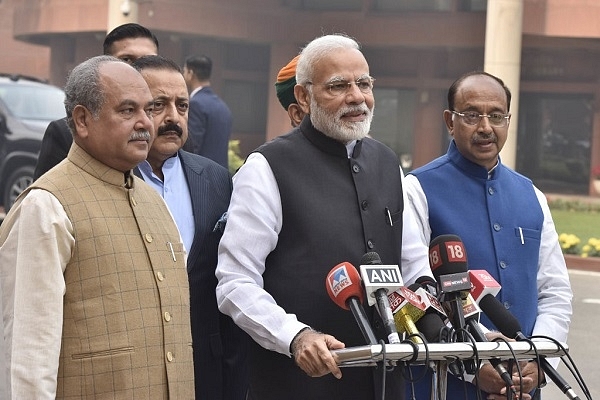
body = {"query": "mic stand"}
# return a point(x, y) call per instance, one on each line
point(370, 355)
point(440, 353)
point(439, 379)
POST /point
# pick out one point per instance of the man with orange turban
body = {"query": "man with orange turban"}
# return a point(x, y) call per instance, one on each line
point(286, 80)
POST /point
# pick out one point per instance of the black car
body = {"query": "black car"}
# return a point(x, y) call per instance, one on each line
point(27, 106)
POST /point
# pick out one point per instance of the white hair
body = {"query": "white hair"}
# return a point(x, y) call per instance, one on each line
point(316, 50)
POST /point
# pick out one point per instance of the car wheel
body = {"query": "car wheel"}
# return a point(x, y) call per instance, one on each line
point(18, 181)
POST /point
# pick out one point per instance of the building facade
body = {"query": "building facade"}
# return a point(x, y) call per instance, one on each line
point(415, 49)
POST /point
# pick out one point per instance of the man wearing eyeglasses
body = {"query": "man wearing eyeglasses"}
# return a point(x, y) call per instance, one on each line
point(502, 218)
point(303, 203)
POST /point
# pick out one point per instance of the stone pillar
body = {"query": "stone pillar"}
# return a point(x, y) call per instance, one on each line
point(503, 33)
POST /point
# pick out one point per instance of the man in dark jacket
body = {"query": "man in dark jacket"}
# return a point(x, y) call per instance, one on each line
point(320, 195)
point(197, 191)
point(210, 119)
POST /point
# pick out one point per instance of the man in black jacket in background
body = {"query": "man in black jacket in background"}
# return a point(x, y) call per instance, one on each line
point(127, 42)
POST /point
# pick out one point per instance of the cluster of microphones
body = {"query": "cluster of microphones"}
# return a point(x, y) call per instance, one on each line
point(423, 310)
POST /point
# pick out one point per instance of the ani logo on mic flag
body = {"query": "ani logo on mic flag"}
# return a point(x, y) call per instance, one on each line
point(339, 279)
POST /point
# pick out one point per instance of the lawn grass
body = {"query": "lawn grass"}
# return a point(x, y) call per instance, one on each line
point(583, 224)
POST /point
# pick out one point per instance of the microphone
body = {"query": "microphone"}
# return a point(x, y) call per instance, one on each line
point(471, 312)
point(379, 280)
point(426, 288)
point(510, 327)
point(448, 262)
point(343, 287)
point(482, 284)
point(407, 308)
point(431, 323)
point(429, 284)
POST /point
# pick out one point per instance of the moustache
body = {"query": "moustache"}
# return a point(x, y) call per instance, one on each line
point(491, 138)
point(162, 130)
point(140, 135)
point(362, 108)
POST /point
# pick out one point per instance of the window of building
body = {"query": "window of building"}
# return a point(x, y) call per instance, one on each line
point(394, 121)
point(413, 5)
point(554, 141)
point(246, 57)
point(473, 5)
point(246, 92)
point(248, 104)
point(329, 5)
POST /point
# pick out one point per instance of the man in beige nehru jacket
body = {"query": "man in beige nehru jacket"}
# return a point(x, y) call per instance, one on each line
point(94, 282)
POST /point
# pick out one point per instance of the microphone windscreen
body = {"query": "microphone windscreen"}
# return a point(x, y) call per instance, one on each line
point(447, 255)
point(430, 325)
point(426, 280)
point(429, 284)
point(370, 258)
point(500, 316)
point(343, 283)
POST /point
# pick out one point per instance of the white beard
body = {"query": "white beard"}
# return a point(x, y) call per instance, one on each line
point(334, 127)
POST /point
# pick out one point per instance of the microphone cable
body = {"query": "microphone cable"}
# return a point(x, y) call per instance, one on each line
point(407, 370)
point(570, 365)
point(384, 369)
point(537, 358)
point(476, 361)
point(511, 390)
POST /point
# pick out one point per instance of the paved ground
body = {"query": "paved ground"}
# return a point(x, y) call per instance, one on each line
point(584, 346)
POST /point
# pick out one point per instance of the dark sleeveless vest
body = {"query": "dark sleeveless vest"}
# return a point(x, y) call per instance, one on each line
point(335, 209)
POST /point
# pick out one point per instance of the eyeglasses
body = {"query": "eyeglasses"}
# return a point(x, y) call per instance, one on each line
point(338, 88)
point(474, 118)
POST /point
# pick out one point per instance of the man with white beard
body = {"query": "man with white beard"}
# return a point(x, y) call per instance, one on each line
point(320, 195)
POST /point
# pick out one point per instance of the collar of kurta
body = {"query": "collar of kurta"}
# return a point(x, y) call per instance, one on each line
point(89, 164)
point(469, 167)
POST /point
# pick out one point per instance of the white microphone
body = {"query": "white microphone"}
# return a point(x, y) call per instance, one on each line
point(380, 280)
point(483, 285)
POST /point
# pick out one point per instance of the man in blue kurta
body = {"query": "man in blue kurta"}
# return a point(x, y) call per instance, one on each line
point(502, 218)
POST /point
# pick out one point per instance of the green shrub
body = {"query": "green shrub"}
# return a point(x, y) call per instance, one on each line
point(235, 161)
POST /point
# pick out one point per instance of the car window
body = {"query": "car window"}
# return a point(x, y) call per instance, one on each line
point(34, 102)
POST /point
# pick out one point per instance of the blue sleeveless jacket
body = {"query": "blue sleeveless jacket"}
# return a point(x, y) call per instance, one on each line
point(499, 220)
